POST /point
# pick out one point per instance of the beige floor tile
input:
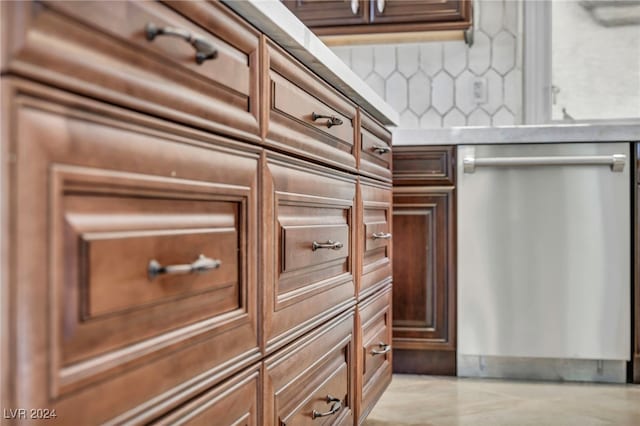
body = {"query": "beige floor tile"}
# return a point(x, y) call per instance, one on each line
point(438, 401)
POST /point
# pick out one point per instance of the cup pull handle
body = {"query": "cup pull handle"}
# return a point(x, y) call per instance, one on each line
point(200, 265)
point(204, 49)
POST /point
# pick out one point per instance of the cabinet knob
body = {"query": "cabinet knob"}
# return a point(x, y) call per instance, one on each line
point(200, 265)
point(355, 6)
point(380, 5)
point(336, 405)
point(204, 49)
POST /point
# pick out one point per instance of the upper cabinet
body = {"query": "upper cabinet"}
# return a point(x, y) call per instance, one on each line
point(381, 16)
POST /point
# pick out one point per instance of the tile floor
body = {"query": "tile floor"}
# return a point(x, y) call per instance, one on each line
point(439, 401)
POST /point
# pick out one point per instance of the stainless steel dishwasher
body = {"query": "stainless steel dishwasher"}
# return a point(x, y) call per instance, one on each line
point(544, 261)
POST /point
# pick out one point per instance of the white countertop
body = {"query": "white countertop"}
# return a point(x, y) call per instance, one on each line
point(519, 134)
point(278, 23)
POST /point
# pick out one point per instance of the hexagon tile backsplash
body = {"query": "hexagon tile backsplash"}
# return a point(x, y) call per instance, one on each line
point(432, 84)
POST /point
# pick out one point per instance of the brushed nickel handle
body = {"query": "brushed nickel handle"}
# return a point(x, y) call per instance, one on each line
point(331, 245)
point(204, 49)
point(336, 405)
point(200, 265)
point(332, 120)
point(380, 4)
point(381, 236)
point(615, 161)
point(381, 149)
point(384, 349)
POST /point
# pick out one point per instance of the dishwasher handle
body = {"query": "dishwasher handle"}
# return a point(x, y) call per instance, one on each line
point(615, 161)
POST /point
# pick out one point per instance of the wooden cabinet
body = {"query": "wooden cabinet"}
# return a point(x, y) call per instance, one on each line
point(424, 300)
point(101, 50)
point(185, 239)
point(382, 16)
point(308, 260)
point(374, 339)
point(306, 116)
point(311, 381)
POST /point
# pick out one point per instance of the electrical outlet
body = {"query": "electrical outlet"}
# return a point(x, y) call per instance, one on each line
point(479, 87)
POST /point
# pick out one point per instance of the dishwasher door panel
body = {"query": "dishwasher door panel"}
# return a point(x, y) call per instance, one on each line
point(544, 254)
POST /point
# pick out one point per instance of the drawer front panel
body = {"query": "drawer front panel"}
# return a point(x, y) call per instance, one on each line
point(236, 402)
point(376, 236)
point(106, 195)
point(376, 354)
point(308, 251)
point(313, 374)
point(101, 49)
point(375, 149)
point(293, 98)
point(424, 165)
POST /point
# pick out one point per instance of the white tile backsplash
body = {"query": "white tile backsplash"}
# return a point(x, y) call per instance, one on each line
point(431, 83)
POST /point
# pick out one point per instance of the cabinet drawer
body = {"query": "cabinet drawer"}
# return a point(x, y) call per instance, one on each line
point(375, 236)
point(235, 402)
point(374, 349)
point(295, 98)
point(424, 165)
point(101, 196)
point(308, 260)
point(313, 375)
point(101, 49)
point(375, 149)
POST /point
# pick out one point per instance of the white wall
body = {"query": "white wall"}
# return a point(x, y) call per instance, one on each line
point(596, 68)
point(431, 83)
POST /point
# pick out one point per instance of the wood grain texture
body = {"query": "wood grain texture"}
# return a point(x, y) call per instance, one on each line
point(424, 243)
point(374, 328)
point(303, 203)
point(291, 95)
point(237, 401)
point(299, 378)
point(374, 255)
point(372, 161)
point(67, 146)
point(398, 16)
point(424, 165)
point(431, 362)
point(99, 49)
point(329, 12)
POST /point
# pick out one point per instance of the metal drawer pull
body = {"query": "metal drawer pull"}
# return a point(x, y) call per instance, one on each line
point(332, 120)
point(204, 49)
point(355, 6)
point(202, 264)
point(381, 149)
point(615, 161)
point(381, 236)
point(331, 245)
point(384, 349)
point(336, 405)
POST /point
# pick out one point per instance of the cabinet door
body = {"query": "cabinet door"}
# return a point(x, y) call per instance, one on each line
point(104, 198)
point(308, 247)
point(424, 282)
point(311, 381)
point(375, 236)
point(323, 13)
point(374, 346)
point(419, 11)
